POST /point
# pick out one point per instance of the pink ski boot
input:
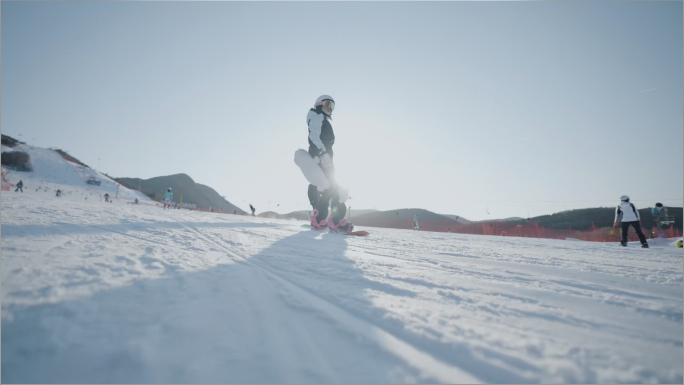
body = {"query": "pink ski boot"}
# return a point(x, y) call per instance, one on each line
point(342, 226)
point(317, 225)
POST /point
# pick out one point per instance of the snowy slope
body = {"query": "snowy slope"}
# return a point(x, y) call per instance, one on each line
point(52, 172)
point(119, 293)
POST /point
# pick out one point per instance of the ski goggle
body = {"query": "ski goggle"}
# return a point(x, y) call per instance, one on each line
point(328, 105)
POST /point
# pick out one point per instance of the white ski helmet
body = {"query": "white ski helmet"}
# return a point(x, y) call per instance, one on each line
point(327, 103)
point(624, 198)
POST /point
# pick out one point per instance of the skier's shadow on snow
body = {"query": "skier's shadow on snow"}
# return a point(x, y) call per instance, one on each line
point(221, 325)
point(318, 263)
point(225, 324)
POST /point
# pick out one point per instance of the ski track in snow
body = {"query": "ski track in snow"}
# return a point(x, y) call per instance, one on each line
point(95, 292)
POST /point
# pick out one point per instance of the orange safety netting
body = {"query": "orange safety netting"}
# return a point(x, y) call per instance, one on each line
point(528, 230)
point(5, 184)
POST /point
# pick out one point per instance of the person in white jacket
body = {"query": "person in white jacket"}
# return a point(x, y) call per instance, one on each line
point(630, 217)
point(321, 140)
point(415, 223)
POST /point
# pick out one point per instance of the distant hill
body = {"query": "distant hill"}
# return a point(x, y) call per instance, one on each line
point(274, 215)
point(21, 161)
point(457, 218)
point(511, 219)
point(358, 212)
point(292, 215)
point(199, 194)
point(9, 141)
point(403, 219)
point(580, 219)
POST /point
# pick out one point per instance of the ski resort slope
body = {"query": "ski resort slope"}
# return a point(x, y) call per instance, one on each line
point(95, 292)
point(52, 172)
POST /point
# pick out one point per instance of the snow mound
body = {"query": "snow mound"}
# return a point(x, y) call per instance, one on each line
point(52, 172)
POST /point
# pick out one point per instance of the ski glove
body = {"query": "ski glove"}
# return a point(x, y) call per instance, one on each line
point(614, 224)
point(325, 160)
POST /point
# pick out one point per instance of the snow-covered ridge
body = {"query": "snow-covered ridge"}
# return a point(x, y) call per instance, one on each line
point(52, 172)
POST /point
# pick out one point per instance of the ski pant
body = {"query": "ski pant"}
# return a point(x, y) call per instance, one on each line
point(330, 197)
point(19, 188)
point(637, 228)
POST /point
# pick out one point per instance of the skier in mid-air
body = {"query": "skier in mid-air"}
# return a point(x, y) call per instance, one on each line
point(630, 217)
point(253, 209)
point(167, 198)
point(321, 140)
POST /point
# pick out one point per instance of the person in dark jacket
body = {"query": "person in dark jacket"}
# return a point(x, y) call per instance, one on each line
point(630, 217)
point(20, 186)
point(253, 209)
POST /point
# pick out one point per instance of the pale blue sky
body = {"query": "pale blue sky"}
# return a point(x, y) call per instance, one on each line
point(524, 107)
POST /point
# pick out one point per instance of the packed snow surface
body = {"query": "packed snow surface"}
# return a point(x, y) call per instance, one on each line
point(95, 292)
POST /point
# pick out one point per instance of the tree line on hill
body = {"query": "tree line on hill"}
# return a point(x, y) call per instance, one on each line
point(15, 160)
point(582, 219)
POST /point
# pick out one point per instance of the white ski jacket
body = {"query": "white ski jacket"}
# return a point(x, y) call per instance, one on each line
point(321, 135)
point(629, 212)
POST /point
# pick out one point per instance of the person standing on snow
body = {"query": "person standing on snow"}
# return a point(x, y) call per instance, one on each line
point(630, 217)
point(415, 223)
point(20, 186)
point(253, 209)
point(167, 198)
point(106, 196)
point(321, 140)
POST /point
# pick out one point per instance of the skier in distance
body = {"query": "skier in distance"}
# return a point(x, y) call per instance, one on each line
point(168, 195)
point(630, 217)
